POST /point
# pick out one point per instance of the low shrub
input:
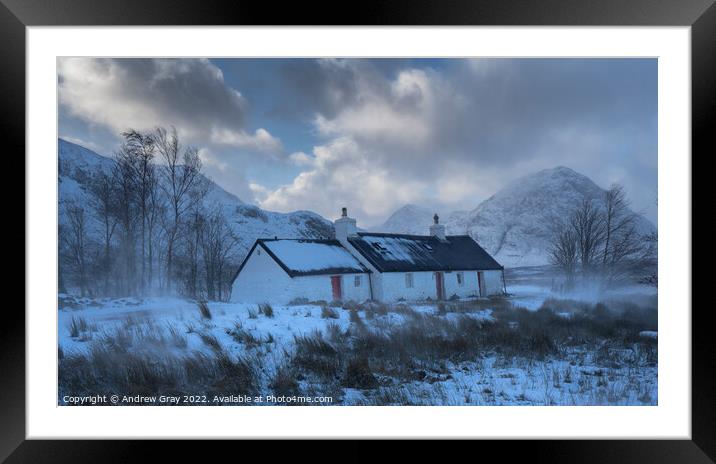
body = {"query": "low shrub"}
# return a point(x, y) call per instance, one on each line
point(358, 374)
point(328, 313)
point(284, 381)
point(355, 317)
point(350, 305)
point(316, 355)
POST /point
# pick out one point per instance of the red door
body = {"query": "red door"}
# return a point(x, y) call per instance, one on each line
point(336, 286)
point(439, 287)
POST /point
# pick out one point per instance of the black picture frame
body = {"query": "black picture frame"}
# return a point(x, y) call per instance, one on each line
point(16, 15)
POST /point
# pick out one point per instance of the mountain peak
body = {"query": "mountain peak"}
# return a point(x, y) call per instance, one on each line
point(411, 207)
point(513, 224)
point(562, 169)
point(410, 218)
point(555, 172)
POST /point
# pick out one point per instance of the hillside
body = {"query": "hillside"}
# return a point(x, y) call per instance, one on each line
point(77, 165)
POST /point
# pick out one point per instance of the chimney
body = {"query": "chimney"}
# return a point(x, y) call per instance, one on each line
point(436, 229)
point(344, 226)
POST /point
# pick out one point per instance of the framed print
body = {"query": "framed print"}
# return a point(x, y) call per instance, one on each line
point(479, 227)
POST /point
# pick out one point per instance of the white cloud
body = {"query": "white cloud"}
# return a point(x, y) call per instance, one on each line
point(400, 113)
point(121, 93)
point(389, 133)
point(300, 158)
point(260, 141)
point(341, 174)
point(211, 161)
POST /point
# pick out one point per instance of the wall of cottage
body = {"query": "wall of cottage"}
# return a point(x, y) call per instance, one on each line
point(262, 280)
point(424, 286)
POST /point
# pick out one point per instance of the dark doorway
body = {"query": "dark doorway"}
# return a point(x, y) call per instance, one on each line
point(439, 286)
point(336, 286)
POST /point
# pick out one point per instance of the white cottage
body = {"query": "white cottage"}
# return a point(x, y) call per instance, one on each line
point(359, 266)
point(280, 270)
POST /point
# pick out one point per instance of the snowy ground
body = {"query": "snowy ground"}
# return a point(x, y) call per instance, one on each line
point(312, 351)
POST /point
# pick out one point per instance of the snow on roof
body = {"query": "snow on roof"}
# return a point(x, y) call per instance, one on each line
point(310, 257)
point(407, 253)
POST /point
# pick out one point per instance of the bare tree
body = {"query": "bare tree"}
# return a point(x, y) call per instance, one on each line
point(564, 252)
point(104, 205)
point(141, 148)
point(618, 219)
point(587, 223)
point(156, 210)
point(602, 239)
point(217, 242)
point(125, 180)
point(180, 176)
point(625, 248)
point(75, 237)
point(194, 227)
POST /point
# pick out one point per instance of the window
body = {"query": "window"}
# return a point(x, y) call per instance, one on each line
point(460, 279)
point(408, 280)
point(356, 282)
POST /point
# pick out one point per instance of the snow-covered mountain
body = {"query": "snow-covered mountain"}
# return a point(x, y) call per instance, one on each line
point(410, 219)
point(77, 165)
point(513, 224)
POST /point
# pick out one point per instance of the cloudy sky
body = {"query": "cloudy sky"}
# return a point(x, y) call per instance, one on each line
point(375, 134)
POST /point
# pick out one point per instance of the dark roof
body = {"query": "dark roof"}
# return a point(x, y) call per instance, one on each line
point(304, 257)
point(413, 253)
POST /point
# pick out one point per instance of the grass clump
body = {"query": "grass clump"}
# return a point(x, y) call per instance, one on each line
point(316, 355)
point(211, 341)
point(128, 373)
point(204, 309)
point(328, 313)
point(76, 325)
point(244, 337)
point(355, 317)
point(285, 382)
point(266, 309)
point(358, 374)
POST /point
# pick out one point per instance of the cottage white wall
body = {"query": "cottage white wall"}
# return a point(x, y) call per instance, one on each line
point(467, 289)
point(262, 280)
point(394, 286)
point(424, 285)
point(349, 290)
point(376, 277)
point(493, 282)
